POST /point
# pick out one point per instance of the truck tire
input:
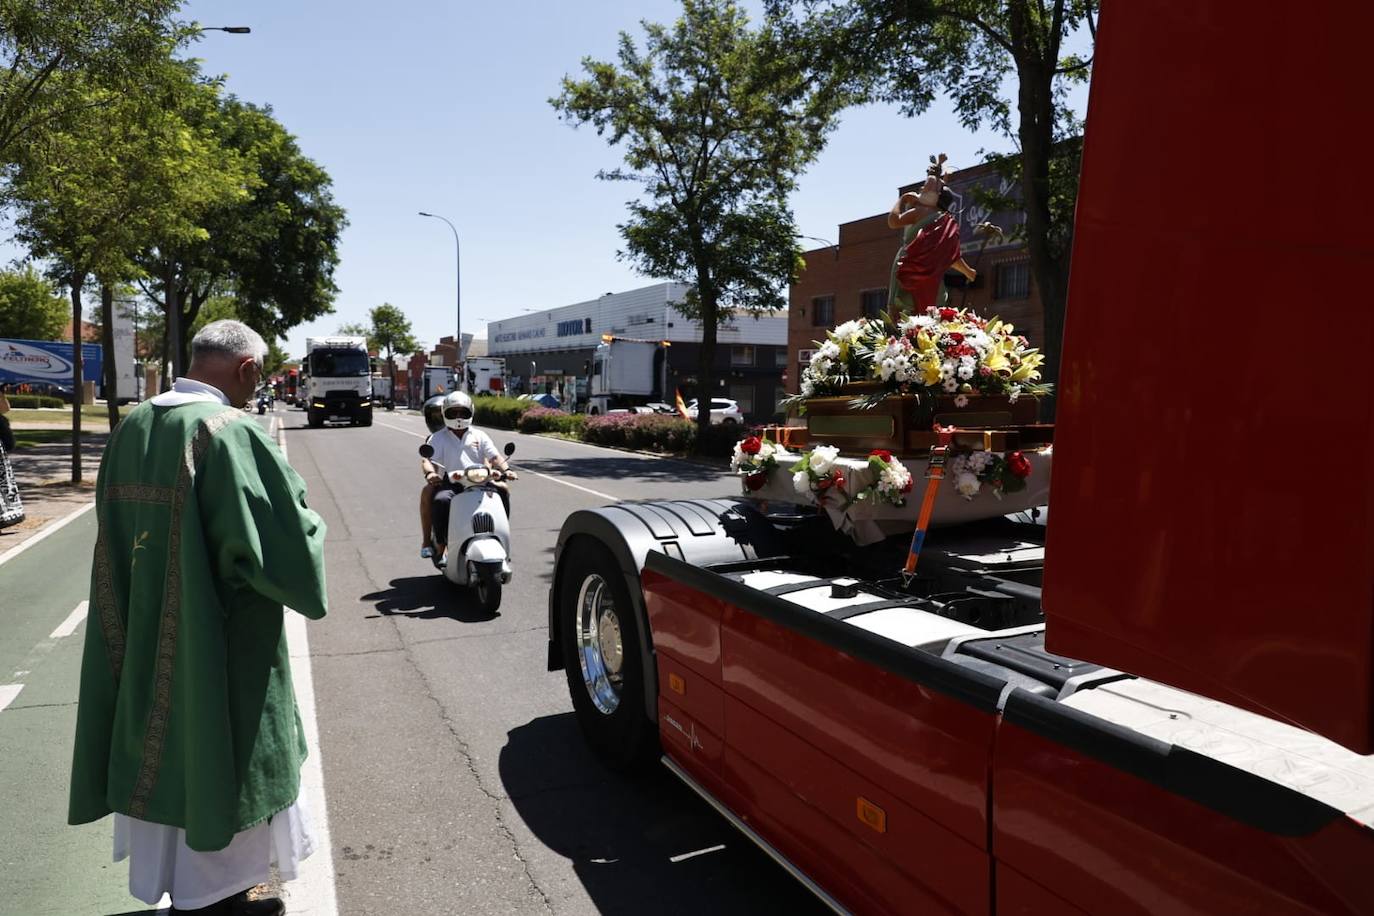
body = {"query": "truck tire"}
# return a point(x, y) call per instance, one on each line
point(601, 658)
point(365, 418)
point(314, 418)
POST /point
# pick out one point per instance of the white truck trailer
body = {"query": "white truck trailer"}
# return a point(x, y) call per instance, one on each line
point(627, 373)
point(336, 380)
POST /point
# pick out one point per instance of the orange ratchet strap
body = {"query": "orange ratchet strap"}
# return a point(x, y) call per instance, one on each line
point(935, 472)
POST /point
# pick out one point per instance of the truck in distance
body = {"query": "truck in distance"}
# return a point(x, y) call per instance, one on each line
point(336, 380)
point(627, 373)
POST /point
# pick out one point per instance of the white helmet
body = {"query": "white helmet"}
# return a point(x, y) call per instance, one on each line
point(458, 411)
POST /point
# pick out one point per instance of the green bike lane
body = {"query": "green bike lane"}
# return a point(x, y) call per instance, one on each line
point(47, 867)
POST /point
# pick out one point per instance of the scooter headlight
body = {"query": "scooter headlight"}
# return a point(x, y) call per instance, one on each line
point(477, 475)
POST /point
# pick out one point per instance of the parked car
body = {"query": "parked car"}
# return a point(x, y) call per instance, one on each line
point(723, 411)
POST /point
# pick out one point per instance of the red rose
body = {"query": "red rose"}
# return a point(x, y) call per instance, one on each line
point(906, 487)
point(948, 314)
point(956, 337)
point(1019, 464)
point(751, 445)
point(882, 453)
point(839, 480)
point(756, 481)
point(823, 483)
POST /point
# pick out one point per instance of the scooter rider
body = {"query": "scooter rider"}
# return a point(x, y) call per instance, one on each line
point(458, 446)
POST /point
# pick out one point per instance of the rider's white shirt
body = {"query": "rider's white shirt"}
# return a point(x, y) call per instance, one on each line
point(474, 449)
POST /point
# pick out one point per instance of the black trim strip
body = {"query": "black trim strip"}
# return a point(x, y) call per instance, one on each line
point(790, 587)
point(854, 610)
point(964, 684)
point(1221, 787)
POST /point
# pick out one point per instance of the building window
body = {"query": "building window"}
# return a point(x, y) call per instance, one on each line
point(743, 395)
point(804, 360)
point(873, 303)
point(742, 356)
point(780, 358)
point(823, 311)
point(1013, 280)
point(778, 394)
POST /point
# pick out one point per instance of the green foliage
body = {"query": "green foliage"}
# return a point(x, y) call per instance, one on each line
point(33, 401)
point(499, 413)
point(53, 53)
point(29, 306)
point(391, 331)
point(715, 119)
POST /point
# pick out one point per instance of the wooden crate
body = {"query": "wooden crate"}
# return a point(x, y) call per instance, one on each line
point(903, 423)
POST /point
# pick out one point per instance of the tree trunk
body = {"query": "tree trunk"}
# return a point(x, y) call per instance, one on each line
point(78, 383)
point(107, 342)
point(707, 365)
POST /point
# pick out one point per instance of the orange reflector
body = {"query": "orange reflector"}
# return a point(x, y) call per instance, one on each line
point(872, 815)
point(676, 684)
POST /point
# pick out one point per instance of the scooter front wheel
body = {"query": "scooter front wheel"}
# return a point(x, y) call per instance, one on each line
point(488, 587)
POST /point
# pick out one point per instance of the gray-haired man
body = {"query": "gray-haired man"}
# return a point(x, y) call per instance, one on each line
point(187, 727)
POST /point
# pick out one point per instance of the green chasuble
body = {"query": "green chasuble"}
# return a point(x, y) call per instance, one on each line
point(186, 715)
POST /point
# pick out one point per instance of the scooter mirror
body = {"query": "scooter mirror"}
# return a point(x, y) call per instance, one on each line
point(426, 450)
point(510, 449)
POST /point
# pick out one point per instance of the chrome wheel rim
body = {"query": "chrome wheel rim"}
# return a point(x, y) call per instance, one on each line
point(600, 648)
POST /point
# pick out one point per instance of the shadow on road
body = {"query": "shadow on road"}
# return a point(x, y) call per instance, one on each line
point(621, 833)
point(428, 597)
point(612, 468)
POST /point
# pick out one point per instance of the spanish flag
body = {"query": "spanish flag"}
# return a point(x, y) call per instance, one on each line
point(681, 407)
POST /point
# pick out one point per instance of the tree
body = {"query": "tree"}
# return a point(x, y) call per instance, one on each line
point(276, 248)
point(716, 120)
point(391, 332)
point(905, 51)
point(119, 170)
point(52, 52)
point(30, 307)
point(358, 329)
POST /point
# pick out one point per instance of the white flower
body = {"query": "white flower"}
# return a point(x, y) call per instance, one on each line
point(801, 482)
point(1013, 393)
point(950, 385)
point(737, 459)
point(766, 450)
point(829, 350)
point(967, 485)
point(823, 458)
point(886, 368)
point(961, 400)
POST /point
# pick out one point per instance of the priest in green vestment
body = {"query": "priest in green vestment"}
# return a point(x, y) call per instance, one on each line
point(187, 727)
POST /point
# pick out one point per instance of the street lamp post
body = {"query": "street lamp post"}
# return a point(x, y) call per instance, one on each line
point(458, 302)
point(231, 29)
point(531, 376)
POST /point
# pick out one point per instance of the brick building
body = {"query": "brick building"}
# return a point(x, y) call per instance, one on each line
point(844, 281)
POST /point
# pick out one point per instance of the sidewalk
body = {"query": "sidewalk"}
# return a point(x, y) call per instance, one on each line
point(44, 473)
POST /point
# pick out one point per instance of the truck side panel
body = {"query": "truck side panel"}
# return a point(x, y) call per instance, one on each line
point(1103, 818)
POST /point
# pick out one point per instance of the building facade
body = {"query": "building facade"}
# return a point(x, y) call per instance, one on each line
point(850, 279)
point(546, 350)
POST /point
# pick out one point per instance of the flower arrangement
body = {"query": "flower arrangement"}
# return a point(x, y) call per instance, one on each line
point(945, 349)
point(754, 459)
point(892, 480)
point(818, 473)
point(969, 471)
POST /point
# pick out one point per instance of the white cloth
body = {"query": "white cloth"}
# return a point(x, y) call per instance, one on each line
point(188, 391)
point(474, 449)
point(160, 862)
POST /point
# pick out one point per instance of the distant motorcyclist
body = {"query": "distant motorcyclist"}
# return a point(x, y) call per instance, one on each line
point(458, 446)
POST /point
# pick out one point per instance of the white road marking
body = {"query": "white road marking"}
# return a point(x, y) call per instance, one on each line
point(7, 694)
point(51, 528)
point(68, 626)
point(566, 483)
point(692, 855)
point(313, 893)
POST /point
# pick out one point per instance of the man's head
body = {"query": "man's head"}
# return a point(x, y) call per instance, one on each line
point(458, 411)
point(229, 355)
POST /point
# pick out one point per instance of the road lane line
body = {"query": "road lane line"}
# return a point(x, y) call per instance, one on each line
point(401, 429)
point(313, 893)
point(68, 626)
point(7, 694)
point(51, 528)
point(524, 470)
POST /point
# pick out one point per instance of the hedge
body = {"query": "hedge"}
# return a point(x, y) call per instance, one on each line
point(499, 413)
point(657, 432)
point(32, 401)
point(543, 420)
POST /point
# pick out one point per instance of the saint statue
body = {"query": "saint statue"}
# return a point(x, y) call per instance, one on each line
point(930, 244)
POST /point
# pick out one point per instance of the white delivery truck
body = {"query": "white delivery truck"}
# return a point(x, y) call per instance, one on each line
point(627, 373)
point(487, 374)
point(336, 379)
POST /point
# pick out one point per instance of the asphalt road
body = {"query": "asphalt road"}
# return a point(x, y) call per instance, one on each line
point(455, 776)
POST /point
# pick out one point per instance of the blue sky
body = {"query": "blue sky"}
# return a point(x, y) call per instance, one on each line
point(416, 105)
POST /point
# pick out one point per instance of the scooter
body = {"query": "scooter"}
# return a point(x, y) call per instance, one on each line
point(478, 536)
point(262, 403)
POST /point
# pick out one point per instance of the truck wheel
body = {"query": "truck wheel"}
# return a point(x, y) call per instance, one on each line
point(314, 418)
point(601, 657)
point(365, 418)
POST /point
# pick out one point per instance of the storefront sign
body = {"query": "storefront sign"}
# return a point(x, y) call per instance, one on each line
point(574, 327)
point(33, 361)
point(527, 334)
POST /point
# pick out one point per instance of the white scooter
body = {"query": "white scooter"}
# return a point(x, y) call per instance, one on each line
point(478, 536)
